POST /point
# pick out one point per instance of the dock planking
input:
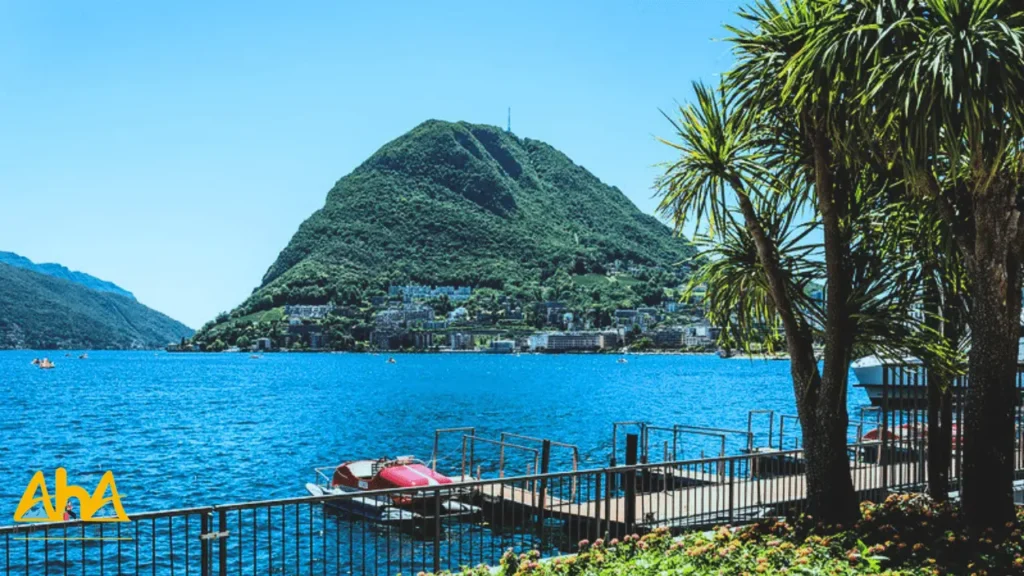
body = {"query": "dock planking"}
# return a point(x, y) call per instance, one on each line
point(718, 498)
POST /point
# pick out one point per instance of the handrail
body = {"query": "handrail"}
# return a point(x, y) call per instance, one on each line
point(151, 515)
point(437, 437)
point(771, 423)
point(858, 424)
point(575, 449)
point(679, 430)
point(749, 435)
point(642, 426)
point(782, 426)
point(575, 454)
point(676, 430)
point(501, 471)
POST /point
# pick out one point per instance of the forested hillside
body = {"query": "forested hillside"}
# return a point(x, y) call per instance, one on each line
point(42, 312)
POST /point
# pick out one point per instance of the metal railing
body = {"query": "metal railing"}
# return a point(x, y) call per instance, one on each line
point(354, 533)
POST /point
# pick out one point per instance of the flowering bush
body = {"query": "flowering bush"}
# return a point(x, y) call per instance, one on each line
point(906, 534)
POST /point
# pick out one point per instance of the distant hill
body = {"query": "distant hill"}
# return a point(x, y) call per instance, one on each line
point(458, 203)
point(58, 271)
point(44, 312)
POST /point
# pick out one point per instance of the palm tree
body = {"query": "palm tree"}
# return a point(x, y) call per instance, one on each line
point(945, 80)
point(803, 111)
point(722, 163)
point(789, 132)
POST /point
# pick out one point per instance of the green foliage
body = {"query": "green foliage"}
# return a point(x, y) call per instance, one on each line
point(907, 535)
point(464, 204)
point(41, 311)
point(642, 344)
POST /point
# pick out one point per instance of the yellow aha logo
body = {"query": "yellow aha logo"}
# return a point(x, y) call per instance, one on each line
point(54, 506)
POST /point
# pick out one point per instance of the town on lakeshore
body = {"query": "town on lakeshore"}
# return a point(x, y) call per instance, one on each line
point(416, 317)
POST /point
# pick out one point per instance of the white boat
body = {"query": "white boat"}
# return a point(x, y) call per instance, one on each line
point(869, 373)
point(906, 381)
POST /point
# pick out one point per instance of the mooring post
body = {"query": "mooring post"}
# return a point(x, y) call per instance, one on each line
point(629, 483)
point(462, 470)
point(545, 462)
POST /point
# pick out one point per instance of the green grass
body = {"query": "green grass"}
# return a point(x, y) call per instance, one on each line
point(272, 315)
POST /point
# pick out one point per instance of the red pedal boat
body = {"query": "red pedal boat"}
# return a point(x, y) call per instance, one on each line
point(420, 501)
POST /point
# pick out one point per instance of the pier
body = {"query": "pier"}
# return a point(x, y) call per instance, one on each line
point(526, 493)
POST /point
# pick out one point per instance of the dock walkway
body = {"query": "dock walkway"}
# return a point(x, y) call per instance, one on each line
point(711, 498)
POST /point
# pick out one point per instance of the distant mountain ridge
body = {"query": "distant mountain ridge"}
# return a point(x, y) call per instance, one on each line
point(41, 311)
point(58, 271)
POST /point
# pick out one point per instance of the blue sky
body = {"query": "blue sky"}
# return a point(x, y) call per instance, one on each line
point(173, 148)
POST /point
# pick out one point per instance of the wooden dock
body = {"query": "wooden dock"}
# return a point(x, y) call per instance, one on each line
point(713, 498)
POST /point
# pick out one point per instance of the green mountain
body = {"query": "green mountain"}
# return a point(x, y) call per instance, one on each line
point(58, 271)
point(462, 204)
point(43, 312)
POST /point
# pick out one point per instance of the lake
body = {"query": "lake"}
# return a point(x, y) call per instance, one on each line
point(200, 429)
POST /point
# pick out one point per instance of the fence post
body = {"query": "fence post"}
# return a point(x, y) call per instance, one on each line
point(609, 481)
point(731, 486)
point(882, 457)
point(204, 543)
point(545, 463)
point(222, 541)
point(629, 483)
point(437, 531)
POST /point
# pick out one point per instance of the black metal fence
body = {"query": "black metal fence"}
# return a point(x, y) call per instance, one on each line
point(339, 534)
point(903, 420)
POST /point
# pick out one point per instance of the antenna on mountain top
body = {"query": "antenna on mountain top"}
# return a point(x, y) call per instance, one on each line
point(509, 129)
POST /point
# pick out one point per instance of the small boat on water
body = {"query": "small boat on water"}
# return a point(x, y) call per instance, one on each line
point(45, 364)
point(83, 357)
point(410, 509)
point(392, 360)
point(622, 361)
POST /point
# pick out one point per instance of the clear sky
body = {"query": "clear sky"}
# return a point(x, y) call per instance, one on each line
point(174, 147)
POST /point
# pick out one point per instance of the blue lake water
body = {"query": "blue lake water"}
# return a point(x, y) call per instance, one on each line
point(183, 430)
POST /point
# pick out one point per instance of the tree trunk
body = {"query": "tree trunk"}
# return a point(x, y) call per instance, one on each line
point(821, 403)
point(830, 494)
point(824, 417)
point(988, 434)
